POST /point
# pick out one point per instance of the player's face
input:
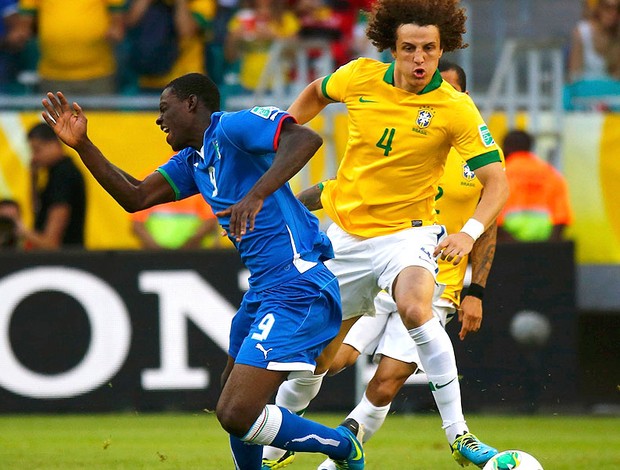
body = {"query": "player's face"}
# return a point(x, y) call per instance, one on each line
point(417, 55)
point(174, 119)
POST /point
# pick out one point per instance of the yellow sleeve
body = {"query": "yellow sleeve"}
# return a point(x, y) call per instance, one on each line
point(473, 142)
point(335, 85)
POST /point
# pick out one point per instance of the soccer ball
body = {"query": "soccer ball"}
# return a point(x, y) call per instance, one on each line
point(513, 459)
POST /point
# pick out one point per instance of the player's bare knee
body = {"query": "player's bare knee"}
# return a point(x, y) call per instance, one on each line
point(233, 419)
point(414, 315)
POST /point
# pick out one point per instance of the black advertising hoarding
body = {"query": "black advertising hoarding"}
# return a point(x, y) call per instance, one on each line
point(524, 358)
point(109, 331)
point(104, 331)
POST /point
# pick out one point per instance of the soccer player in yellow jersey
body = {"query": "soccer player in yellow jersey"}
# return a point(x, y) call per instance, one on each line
point(403, 120)
point(384, 336)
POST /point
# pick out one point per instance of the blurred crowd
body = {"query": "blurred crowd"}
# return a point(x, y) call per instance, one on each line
point(99, 47)
point(594, 58)
point(95, 47)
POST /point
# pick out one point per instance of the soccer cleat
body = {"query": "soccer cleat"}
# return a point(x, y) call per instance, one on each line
point(327, 464)
point(282, 462)
point(354, 432)
point(467, 449)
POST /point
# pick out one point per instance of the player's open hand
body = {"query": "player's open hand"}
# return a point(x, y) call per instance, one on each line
point(68, 122)
point(242, 215)
point(454, 247)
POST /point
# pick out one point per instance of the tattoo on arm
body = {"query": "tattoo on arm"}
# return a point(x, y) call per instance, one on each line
point(482, 254)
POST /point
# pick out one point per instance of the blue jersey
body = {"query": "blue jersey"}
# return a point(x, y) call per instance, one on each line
point(238, 148)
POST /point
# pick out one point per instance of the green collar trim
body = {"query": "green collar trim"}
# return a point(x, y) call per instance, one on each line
point(432, 85)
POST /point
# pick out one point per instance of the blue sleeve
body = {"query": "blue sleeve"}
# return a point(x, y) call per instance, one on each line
point(179, 173)
point(255, 130)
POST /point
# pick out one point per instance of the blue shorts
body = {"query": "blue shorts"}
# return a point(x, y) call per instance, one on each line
point(286, 327)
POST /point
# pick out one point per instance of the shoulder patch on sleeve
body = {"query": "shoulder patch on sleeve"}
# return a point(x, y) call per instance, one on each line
point(266, 112)
point(485, 135)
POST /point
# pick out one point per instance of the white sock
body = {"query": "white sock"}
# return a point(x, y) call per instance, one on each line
point(438, 361)
point(371, 416)
point(266, 427)
point(294, 395)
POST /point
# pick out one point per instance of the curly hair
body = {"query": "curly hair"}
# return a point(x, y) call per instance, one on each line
point(388, 15)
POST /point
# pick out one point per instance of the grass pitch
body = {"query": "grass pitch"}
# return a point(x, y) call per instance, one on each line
point(196, 441)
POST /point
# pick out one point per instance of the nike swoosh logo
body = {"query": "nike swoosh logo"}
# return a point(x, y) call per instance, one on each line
point(363, 100)
point(358, 451)
point(437, 386)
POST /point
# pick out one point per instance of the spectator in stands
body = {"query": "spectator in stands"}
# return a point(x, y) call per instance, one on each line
point(76, 43)
point(190, 21)
point(595, 44)
point(8, 58)
point(60, 205)
point(252, 32)
point(319, 21)
point(186, 224)
point(538, 207)
point(216, 62)
point(10, 224)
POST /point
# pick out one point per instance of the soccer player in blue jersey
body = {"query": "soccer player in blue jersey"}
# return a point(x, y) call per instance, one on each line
point(240, 162)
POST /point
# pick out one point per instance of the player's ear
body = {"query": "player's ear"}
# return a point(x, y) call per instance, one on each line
point(192, 103)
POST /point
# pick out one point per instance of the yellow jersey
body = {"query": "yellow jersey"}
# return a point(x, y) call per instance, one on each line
point(72, 37)
point(456, 201)
point(397, 148)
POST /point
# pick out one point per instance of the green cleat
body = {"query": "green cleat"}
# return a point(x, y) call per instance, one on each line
point(282, 462)
point(353, 431)
point(467, 449)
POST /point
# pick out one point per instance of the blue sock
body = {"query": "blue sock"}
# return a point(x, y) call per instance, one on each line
point(246, 456)
point(302, 435)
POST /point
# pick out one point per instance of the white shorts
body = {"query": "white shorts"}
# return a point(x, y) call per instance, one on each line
point(385, 335)
point(365, 266)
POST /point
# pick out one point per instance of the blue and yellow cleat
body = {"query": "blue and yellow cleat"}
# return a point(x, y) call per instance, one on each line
point(353, 431)
point(282, 462)
point(467, 449)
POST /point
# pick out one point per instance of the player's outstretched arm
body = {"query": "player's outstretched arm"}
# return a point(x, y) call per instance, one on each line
point(309, 103)
point(70, 125)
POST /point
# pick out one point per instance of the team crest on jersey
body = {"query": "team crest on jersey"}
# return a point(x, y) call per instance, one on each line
point(425, 115)
point(467, 173)
point(485, 135)
point(266, 112)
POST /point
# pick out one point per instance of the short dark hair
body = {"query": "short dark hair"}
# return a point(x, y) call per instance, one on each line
point(517, 141)
point(446, 65)
point(42, 131)
point(197, 84)
point(388, 15)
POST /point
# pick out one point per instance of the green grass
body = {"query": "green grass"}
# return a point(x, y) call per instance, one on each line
point(196, 441)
